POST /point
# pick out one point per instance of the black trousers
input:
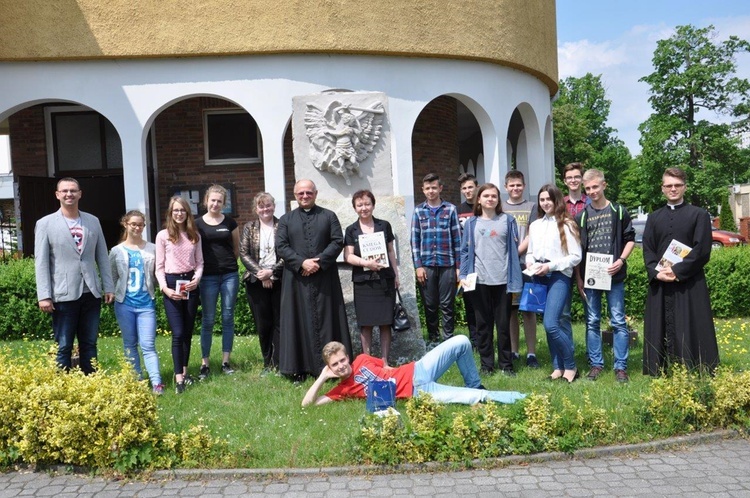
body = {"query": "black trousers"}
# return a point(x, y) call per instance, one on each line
point(492, 308)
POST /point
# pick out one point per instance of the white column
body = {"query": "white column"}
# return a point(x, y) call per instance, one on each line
point(135, 171)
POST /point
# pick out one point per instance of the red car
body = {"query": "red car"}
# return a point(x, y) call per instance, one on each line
point(722, 238)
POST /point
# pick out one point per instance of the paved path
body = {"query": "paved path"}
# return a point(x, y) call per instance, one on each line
point(714, 467)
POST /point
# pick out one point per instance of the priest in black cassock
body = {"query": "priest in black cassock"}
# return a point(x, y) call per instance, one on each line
point(678, 324)
point(309, 239)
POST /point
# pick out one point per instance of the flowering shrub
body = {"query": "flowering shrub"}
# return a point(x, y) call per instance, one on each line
point(679, 403)
point(104, 420)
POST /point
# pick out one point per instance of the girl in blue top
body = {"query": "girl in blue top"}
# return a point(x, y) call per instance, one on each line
point(133, 263)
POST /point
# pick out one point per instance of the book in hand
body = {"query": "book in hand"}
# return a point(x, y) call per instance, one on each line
point(469, 283)
point(596, 276)
point(675, 253)
point(372, 247)
point(180, 287)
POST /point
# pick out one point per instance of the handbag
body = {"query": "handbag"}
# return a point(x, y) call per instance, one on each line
point(400, 318)
point(533, 297)
point(381, 394)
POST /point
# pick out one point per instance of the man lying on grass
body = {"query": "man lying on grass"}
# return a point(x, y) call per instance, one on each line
point(411, 379)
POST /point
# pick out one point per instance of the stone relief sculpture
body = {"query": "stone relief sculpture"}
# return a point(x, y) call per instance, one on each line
point(342, 136)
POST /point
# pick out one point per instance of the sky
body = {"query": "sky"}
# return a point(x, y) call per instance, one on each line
point(617, 39)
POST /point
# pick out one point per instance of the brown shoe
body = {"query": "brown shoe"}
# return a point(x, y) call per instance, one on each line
point(621, 376)
point(594, 373)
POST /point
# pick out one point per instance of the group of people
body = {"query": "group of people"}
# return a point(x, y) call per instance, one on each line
point(501, 245)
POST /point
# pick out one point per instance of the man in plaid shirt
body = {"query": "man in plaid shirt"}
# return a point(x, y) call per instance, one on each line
point(435, 246)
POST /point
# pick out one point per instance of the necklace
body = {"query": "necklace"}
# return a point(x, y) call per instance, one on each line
point(266, 234)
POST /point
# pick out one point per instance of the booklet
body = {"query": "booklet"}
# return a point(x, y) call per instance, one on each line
point(179, 286)
point(596, 276)
point(372, 246)
point(470, 282)
point(675, 253)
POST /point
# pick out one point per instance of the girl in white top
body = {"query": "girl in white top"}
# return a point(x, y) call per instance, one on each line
point(554, 251)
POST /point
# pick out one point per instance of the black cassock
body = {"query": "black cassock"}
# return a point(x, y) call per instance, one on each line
point(678, 323)
point(312, 307)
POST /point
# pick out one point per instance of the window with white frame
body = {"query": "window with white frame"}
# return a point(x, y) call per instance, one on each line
point(231, 136)
point(80, 139)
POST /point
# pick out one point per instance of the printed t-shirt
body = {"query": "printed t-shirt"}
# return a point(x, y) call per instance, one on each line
point(366, 368)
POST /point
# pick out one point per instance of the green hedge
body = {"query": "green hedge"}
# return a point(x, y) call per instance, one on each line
point(728, 275)
point(20, 317)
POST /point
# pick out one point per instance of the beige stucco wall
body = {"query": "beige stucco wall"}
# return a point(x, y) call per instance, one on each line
point(516, 33)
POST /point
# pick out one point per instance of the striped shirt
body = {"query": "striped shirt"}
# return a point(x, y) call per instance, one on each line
point(435, 238)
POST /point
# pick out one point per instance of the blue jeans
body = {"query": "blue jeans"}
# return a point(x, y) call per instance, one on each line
point(436, 362)
point(138, 326)
point(211, 286)
point(79, 318)
point(559, 331)
point(439, 293)
point(620, 337)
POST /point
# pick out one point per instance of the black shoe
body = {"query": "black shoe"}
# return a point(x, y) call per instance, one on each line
point(203, 374)
point(188, 379)
point(515, 356)
point(532, 362)
point(509, 372)
point(481, 386)
point(575, 376)
point(226, 368)
point(179, 387)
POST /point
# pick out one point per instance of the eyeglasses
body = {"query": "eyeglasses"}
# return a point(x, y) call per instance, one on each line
point(136, 225)
point(304, 193)
point(569, 178)
point(179, 211)
point(672, 186)
point(69, 191)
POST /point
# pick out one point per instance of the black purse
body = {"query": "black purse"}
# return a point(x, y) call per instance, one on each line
point(400, 318)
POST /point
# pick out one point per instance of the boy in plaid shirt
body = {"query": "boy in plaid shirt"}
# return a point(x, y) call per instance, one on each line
point(435, 246)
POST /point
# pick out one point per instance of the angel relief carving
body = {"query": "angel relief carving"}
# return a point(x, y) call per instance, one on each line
point(342, 136)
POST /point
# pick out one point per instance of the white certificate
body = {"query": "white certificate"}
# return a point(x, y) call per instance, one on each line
point(596, 276)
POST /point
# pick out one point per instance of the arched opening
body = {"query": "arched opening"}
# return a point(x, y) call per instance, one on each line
point(199, 140)
point(49, 140)
point(525, 147)
point(447, 140)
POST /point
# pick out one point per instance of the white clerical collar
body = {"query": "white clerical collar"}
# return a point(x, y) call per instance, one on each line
point(674, 206)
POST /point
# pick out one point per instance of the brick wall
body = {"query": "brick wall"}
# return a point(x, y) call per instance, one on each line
point(181, 159)
point(288, 166)
point(435, 148)
point(27, 142)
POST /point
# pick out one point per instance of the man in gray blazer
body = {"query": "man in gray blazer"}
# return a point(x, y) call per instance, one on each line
point(68, 247)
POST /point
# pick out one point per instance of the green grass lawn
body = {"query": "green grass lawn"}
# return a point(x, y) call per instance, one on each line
point(265, 426)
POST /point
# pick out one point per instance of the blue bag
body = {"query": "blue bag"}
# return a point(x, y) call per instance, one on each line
point(533, 297)
point(381, 394)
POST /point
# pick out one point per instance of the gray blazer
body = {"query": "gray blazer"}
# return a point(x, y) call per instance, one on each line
point(60, 270)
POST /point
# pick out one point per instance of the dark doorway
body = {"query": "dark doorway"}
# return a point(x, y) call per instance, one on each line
point(103, 196)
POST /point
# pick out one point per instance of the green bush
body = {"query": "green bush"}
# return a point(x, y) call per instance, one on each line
point(676, 404)
point(20, 317)
point(728, 275)
point(104, 420)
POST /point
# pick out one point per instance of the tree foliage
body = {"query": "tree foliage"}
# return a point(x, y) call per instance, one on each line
point(693, 74)
point(726, 218)
point(580, 116)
